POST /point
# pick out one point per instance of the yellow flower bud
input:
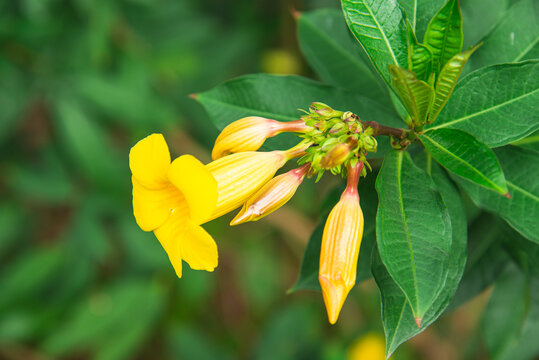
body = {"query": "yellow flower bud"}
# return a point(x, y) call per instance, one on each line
point(248, 134)
point(240, 175)
point(341, 241)
point(336, 156)
point(271, 196)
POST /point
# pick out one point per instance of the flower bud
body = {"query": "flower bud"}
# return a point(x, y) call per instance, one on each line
point(325, 111)
point(240, 175)
point(341, 241)
point(248, 134)
point(336, 156)
point(271, 196)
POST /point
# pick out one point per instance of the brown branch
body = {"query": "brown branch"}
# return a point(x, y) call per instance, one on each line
point(385, 130)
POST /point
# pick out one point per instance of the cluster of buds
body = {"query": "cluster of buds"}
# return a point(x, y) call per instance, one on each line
point(173, 199)
point(338, 140)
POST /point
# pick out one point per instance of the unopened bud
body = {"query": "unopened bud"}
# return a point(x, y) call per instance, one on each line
point(248, 134)
point(341, 242)
point(271, 196)
point(336, 156)
point(325, 111)
point(370, 144)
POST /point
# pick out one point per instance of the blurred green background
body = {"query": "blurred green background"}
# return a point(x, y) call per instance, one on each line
point(81, 81)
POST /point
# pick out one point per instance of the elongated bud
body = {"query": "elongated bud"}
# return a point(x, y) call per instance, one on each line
point(248, 134)
point(240, 175)
point(341, 241)
point(271, 196)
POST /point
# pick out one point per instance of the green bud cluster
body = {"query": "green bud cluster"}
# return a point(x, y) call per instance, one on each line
point(338, 139)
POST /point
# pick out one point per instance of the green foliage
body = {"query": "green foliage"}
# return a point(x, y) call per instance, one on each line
point(462, 154)
point(423, 219)
point(494, 114)
point(415, 256)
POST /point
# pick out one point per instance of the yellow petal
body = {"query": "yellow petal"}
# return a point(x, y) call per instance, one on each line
point(198, 248)
point(149, 160)
point(152, 207)
point(240, 175)
point(197, 184)
point(170, 235)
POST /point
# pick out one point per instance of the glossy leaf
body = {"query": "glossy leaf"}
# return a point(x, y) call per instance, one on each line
point(416, 95)
point(501, 327)
point(464, 155)
point(419, 56)
point(420, 12)
point(416, 256)
point(397, 317)
point(497, 104)
point(513, 38)
point(308, 277)
point(280, 97)
point(447, 79)
point(444, 34)
point(332, 51)
point(521, 168)
point(380, 27)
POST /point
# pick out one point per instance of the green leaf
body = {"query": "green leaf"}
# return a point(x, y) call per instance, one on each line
point(308, 277)
point(415, 256)
point(380, 27)
point(486, 259)
point(447, 79)
point(501, 327)
point(521, 168)
point(479, 17)
point(497, 104)
point(334, 54)
point(419, 56)
point(530, 142)
point(398, 320)
point(464, 155)
point(444, 34)
point(420, 12)
point(416, 95)
point(513, 38)
point(280, 97)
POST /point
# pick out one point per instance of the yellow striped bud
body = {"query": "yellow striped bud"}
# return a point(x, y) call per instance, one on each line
point(336, 156)
point(248, 134)
point(240, 175)
point(341, 241)
point(271, 196)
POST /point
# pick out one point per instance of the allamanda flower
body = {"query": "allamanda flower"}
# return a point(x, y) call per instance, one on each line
point(173, 199)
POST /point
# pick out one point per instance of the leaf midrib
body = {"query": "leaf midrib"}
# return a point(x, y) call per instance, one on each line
point(438, 145)
point(386, 40)
point(456, 121)
point(401, 204)
point(523, 191)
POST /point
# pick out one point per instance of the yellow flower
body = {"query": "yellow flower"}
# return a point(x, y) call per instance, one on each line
point(368, 347)
point(248, 134)
point(172, 200)
point(341, 241)
point(271, 196)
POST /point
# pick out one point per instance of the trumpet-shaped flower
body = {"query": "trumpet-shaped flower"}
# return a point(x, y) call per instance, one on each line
point(248, 134)
point(341, 241)
point(271, 196)
point(172, 200)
